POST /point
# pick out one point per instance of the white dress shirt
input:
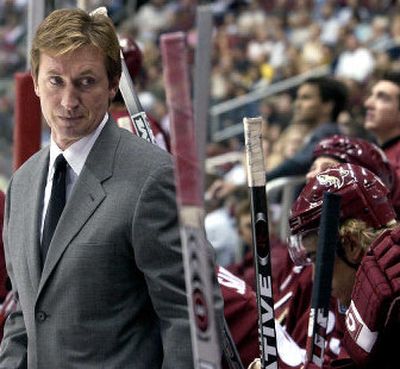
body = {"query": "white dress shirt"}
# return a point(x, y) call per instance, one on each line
point(76, 156)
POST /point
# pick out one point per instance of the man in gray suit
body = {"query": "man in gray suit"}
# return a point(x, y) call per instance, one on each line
point(109, 290)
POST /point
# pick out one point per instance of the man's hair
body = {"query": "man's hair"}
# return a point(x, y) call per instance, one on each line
point(357, 229)
point(67, 30)
point(331, 89)
point(394, 77)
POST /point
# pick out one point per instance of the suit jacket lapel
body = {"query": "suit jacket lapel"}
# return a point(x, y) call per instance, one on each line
point(86, 196)
point(34, 194)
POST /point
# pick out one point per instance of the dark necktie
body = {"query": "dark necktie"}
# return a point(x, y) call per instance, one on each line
point(56, 204)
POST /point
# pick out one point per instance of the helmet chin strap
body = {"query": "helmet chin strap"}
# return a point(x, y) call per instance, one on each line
point(342, 255)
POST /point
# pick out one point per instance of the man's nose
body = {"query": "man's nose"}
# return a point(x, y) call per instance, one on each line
point(368, 102)
point(70, 97)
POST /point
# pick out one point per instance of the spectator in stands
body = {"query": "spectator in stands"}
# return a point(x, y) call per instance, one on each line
point(250, 17)
point(313, 52)
point(151, 19)
point(355, 61)
point(260, 45)
point(290, 141)
point(393, 46)
point(221, 231)
point(382, 105)
point(330, 24)
point(318, 103)
point(299, 31)
point(382, 117)
point(353, 9)
point(379, 38)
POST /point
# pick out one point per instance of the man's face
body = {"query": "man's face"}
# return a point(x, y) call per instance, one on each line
point(307, 106)
point(74, 92)
point(383, 112)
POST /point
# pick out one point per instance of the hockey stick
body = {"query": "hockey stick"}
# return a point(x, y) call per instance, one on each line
point(321, 292)
point(137, 114)
point(261, 247)
point(197, 260)
point(204, 25)
point(230, 351)
point(133, 105)
point(201, 88)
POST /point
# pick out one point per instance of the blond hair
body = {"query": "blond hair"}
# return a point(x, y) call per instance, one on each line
point(67, 30)
point(356, 229)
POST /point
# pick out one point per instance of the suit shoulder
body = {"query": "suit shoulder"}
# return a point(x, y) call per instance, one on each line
point(136, 149)
point(31, 163)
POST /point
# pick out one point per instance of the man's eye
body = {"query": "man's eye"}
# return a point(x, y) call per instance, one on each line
point(384, 97)
point(87, 81)
point(56, 81)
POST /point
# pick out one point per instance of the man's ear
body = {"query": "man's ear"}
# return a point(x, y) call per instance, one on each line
point(114, 86)
point(35, 85)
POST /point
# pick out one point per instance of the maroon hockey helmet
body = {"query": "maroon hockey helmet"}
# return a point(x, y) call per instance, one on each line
point(363, 196)
point(357, 151)
point(132, 55)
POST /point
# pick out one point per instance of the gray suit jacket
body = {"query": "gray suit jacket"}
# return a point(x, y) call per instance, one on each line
point(112, 293)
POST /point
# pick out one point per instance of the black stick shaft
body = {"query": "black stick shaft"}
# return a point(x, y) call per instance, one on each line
point(261, 246)
point(230, 351)
point(327, 241)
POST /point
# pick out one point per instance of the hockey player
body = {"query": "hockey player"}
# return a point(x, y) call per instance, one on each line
point(327, 153)
point(294, 292)
point(366, 271)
